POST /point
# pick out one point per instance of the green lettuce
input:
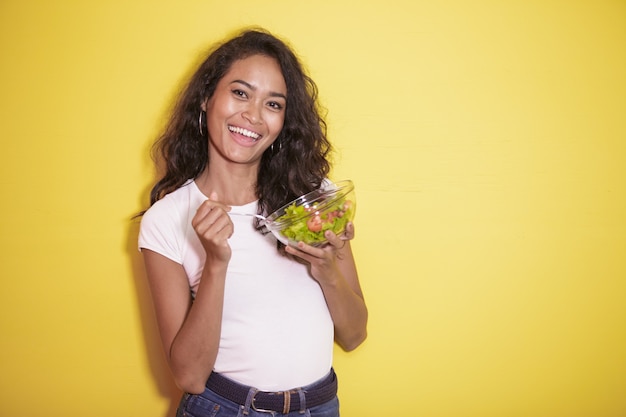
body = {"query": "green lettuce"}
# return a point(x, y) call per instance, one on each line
point(333, 218)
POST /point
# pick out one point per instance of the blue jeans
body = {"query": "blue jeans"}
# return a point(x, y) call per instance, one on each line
point(209, 404)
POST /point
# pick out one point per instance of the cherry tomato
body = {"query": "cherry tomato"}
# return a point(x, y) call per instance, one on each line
point(314, 223)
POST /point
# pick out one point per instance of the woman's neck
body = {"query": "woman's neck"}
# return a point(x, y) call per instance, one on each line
point(233, 187)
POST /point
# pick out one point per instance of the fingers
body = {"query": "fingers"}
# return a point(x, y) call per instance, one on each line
point(348, 233)
point(340, 241)
point(212, 221)
point(324, 261)
point(213, 224)
point(337, 242)
point(307, 252)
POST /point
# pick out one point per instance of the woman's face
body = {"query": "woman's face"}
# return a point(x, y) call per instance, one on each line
point(247, 110)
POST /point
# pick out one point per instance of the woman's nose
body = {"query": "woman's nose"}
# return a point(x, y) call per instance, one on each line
point(252, 114)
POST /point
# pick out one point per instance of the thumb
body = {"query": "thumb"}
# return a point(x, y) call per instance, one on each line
point(213, 197)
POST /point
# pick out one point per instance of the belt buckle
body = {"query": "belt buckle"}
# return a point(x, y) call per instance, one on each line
point(259, 410)
point(286, 403)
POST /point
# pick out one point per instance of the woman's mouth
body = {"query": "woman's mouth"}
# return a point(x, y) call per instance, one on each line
point(244, 132)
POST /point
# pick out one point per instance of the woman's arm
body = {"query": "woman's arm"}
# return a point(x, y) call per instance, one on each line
point(190, 330)
point(333, 266)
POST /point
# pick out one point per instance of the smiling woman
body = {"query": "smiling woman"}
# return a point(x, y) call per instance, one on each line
point(219, 284)
point(245, 116)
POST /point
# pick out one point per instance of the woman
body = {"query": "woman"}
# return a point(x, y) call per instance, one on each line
point(247, 324)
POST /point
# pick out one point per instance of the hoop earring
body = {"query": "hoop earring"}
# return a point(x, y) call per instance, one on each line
point(274, 151)
point(200, 123)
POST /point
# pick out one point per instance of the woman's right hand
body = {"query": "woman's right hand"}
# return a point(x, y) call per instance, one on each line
point(214, 227)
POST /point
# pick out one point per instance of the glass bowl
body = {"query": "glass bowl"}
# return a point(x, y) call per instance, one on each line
point(308, 217)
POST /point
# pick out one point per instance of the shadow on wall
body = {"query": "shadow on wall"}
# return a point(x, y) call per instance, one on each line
point(154, 351)
point(157, 363)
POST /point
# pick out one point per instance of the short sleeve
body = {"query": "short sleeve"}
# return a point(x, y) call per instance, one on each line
point(160, 230)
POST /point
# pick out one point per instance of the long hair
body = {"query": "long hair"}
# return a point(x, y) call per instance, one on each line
point(297, 162)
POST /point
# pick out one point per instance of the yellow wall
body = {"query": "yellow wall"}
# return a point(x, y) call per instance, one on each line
point(487, 141)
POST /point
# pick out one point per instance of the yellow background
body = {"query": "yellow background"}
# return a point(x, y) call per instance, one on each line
point(487, 141)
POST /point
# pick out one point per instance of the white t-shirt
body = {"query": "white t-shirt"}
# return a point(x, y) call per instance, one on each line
point(277, 332)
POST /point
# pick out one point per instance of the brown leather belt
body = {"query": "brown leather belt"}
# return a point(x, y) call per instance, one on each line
point(284, 402)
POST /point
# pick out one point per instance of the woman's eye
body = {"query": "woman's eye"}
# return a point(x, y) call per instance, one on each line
point(239, 93)
point(275, 105)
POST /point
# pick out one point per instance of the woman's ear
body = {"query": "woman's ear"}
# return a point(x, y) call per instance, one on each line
point(203, 105)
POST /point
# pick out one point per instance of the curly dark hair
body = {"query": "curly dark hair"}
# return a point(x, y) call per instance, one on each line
point(298, 161)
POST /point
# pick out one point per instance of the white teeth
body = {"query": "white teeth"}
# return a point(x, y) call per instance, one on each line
point(244, 132)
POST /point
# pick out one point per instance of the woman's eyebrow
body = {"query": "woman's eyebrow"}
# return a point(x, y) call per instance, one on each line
point(251, 87)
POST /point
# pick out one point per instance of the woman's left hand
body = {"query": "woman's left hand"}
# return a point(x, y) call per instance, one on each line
point(324, 259)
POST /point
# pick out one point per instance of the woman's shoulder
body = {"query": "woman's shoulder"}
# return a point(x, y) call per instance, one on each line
point(175, 203)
